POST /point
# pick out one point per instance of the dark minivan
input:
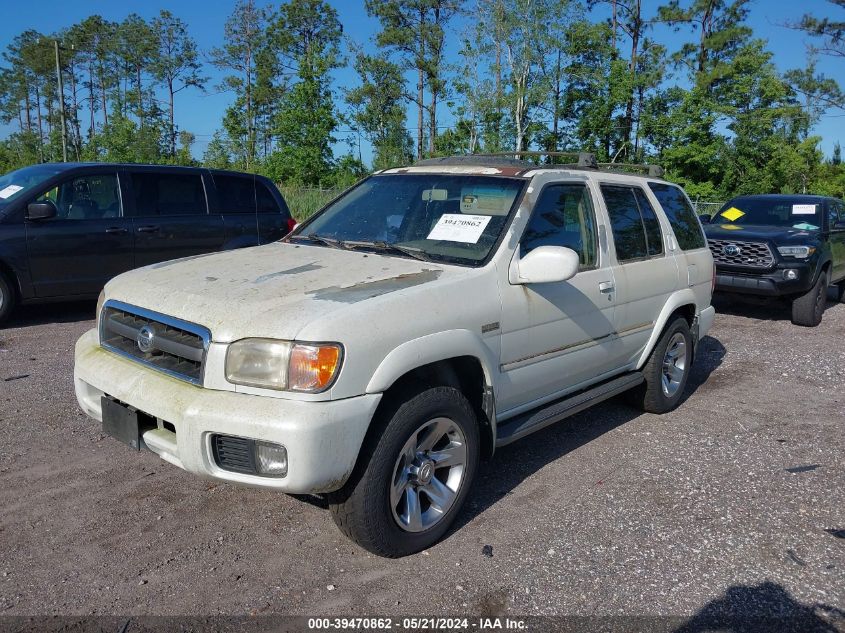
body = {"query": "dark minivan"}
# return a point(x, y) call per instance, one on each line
point(66, 229)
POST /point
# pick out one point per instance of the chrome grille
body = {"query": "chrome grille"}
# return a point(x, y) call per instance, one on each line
point(749, 255)
point(170, 345)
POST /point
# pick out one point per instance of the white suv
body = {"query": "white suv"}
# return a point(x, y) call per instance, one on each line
point(425, 317)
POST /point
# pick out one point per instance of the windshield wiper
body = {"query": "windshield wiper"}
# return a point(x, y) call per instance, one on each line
point(381, 245)
point(322, 239)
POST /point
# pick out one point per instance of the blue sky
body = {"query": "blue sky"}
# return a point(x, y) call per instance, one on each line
point(200, 112)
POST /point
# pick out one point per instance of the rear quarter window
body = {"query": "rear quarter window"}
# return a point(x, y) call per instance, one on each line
point(266, 200)
point(680, 214)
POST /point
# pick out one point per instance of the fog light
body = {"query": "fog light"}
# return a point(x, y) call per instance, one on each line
point(790, 274)
point(271, 459)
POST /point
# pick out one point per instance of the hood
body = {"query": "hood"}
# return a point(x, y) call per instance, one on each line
point(780, 235)
point(270, 291)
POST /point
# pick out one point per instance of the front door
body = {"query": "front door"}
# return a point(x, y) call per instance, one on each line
point(836, 217)
point(556, 336)
point(86, 244)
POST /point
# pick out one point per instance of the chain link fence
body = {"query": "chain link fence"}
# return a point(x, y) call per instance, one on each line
point(706, 207)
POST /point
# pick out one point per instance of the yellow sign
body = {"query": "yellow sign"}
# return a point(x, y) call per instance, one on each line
point(733, 214)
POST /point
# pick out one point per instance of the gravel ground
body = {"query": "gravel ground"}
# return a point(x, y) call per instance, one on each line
point(733, 505)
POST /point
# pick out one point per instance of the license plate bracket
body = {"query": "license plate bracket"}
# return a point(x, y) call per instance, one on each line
point(125, 423)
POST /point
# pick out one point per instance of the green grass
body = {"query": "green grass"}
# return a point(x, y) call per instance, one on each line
point(305, 202)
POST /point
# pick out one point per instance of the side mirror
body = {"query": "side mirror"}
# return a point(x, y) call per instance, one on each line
point(547, 264)
point(705, 219)
point(41, 210)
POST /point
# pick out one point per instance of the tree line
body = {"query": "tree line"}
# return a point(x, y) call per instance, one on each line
point(442, 77)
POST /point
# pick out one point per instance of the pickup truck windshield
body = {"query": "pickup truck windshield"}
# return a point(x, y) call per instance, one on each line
point(17, 184)
point(785, 211)
point(449, 218)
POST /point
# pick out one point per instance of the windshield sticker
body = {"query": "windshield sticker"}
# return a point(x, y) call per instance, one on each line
point(9, 191)
point(803, 209)
point(805, 226)
point(457, 227)
point(733, 214)
point(486, 200)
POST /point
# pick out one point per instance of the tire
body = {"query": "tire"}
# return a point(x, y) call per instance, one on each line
point(7, 298)
point(807, 310)
point(664, 386)
point(372, 508)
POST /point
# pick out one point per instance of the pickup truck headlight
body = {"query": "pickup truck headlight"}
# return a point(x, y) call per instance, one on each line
point(801, 252)
point(283, 365)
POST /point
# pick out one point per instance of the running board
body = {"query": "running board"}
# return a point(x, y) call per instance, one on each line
point(536, 419)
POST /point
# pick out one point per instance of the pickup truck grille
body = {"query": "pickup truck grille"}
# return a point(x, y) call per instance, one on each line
point(169, 345)
point(745, 254)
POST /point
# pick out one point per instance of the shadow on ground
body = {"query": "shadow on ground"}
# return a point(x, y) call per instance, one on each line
point(764, 608)
point(514, 463)
point(763, 309)
point(71, 312)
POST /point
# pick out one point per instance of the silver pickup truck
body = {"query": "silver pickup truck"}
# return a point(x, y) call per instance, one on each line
point(427, 316)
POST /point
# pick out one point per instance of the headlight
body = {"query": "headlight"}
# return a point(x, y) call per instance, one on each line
point(283, 365)
point(801, 252)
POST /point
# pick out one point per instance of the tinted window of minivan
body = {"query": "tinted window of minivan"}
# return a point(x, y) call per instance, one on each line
point(168, 194)
point(266, 201)
point(234, 194)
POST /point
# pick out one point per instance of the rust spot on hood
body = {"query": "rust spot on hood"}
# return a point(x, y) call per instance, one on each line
point(369, 289)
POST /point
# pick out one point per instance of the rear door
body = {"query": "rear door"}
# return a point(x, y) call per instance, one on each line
point(236, 205)
point(87, 243)
point(645, 274)
point(170, 216)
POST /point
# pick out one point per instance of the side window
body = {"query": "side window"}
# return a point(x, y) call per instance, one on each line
point(266, 202)
point(625, 222)
point(837, 213)
point(653, 234)
point(563, 216)
point(168, 194)
point(235, 194)
point(93, 197)
point(681, 215)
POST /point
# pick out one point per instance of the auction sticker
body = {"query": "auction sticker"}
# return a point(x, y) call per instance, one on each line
point(459, 227)
point(803, 209)
point(9, 191)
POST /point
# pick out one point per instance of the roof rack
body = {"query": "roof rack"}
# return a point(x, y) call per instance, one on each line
point(481, 160)
point(583, 160)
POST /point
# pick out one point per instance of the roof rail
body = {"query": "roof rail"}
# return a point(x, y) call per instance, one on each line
point(583, 160)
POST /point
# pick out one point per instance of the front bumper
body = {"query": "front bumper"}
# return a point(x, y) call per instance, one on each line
point(322, 438)
point(766, 284)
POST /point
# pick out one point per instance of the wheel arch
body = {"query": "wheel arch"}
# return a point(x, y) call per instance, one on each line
point(457, 358)
point(681, 303)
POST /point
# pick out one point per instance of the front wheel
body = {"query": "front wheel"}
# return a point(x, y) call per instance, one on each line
point(807, 310)
point(415, 474)
point(7, 298)
point(667, 370)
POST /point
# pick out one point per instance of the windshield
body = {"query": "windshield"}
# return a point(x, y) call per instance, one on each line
point(793, 212)
point(17, 184)
point(449, 218)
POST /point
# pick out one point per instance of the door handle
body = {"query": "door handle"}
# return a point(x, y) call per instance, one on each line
point(606, 287)
point(116, 230)
point(148, 229)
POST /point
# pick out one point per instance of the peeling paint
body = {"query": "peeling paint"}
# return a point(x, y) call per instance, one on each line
point(305, 268)
point(369, 289)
